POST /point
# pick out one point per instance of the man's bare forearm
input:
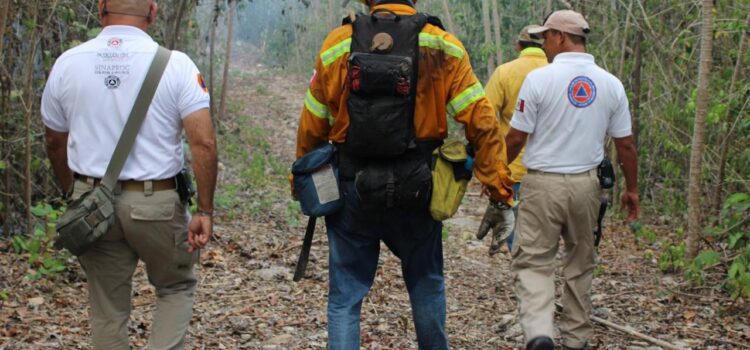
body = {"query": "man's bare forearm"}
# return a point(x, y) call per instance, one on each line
point(627, 156)
point(206, 169)
point(202, 140)
point(515, 140)
point(57, 152)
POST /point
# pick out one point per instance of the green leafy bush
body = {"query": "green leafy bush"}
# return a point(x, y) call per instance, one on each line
point(673, 258)
point(734, 231)
point(732, 235)
point(37, 248)
point(706, 259)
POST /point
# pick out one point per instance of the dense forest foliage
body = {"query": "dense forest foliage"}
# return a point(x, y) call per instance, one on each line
point(652, 46)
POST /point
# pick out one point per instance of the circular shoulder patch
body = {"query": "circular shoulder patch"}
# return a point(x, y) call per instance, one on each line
point(582, 92)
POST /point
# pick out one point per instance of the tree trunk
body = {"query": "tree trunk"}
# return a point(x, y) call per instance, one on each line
point(211, 52)
point(581, 8)
point(4, 102)
point(637, 85)
point(498, 37)
point(4, 9)
point(173, 42)
point(620, 74)
point(696, 151)
point(488, 35)
point(331, 15)
point(449, 18)
point(623, 49)
point(29, 113)
point(4, 126)
point(566, 4)
point(727, 129)
point(297, 61)
point(228, 58)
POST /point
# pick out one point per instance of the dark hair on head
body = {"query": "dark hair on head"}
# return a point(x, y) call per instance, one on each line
point(527, 44)
point(575, 39)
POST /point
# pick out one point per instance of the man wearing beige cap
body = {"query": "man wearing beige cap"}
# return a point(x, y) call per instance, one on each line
point(565, 110)
point(502, 91)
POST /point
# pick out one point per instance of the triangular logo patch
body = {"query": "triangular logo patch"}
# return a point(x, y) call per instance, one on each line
point(582, 92)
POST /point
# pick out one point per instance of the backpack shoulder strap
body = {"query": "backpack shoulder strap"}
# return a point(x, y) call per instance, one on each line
point(351, 18)
point(435, 21)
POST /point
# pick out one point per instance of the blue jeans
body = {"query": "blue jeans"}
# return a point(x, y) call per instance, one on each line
point(516, 190)
point(354, 240)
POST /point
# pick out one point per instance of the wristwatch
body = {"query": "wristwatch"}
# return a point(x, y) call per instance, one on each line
point(204, 213)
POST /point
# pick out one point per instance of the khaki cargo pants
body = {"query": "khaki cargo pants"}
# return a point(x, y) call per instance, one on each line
point(551, 206)
point(150, 226)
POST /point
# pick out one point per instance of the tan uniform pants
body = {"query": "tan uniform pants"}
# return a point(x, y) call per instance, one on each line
point(551, 206)
point(150, 226)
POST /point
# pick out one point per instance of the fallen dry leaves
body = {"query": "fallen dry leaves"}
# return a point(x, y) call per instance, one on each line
point(247, 300)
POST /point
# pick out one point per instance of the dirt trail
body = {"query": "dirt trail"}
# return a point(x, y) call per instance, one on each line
point(247, 300)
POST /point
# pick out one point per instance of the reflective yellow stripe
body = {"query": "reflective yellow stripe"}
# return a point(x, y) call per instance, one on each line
point(316, 108)
point(465, 99)
point(332, 54)
point(439, 43)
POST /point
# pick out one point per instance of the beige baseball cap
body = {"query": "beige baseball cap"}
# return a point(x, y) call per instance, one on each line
point(567, 21)
point(525, 36)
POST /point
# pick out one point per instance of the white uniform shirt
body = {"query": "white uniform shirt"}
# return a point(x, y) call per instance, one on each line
point(567, 108)
point(91, 91)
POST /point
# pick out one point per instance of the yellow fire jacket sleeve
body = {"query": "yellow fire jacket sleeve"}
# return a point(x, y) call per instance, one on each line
point(469, 106)
point(324, 92)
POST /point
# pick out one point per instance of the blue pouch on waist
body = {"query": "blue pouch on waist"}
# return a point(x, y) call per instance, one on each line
point(316, 182)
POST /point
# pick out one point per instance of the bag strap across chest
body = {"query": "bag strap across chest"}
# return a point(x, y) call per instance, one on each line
point(135, 120)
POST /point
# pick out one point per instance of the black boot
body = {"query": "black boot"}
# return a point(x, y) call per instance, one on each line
point(541, 343)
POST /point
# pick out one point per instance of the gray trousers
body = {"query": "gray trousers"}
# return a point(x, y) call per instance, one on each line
point(152, 227)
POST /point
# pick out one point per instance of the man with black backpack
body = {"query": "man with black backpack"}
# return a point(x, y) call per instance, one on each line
point(382, 88)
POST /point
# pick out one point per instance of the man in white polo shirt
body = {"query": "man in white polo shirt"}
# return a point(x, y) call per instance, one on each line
point(565, 110)
point(86, 103)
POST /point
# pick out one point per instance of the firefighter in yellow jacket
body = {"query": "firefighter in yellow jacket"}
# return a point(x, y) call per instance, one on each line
point(502, 91)
point(384, 85)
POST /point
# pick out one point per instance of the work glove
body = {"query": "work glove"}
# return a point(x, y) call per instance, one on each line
point(499, 218)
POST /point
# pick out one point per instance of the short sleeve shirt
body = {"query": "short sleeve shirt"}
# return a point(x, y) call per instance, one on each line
point(91, 91)
point(568, 108)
